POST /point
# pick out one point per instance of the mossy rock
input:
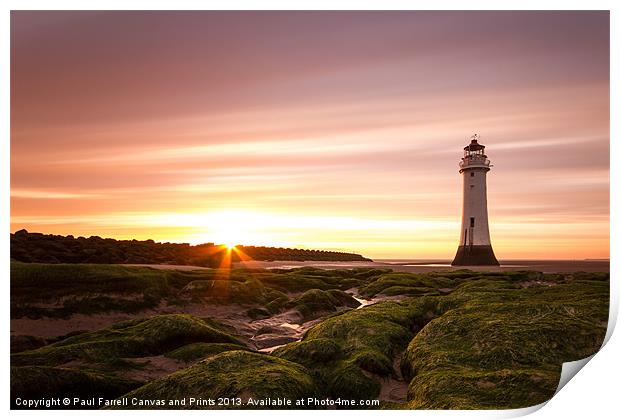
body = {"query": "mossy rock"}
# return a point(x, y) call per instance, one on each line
point(497, 345)
point(197, 351)
point(238, 286)
point(373, 361)
point(505, 336)
point(228, 290)
point(42, 282)
point(344, 351)
point(408, 291)
point(348, 381)
point(383, 326)
point(486, 285)
point(295, 282)
point(36, 289)
point(142, 337)
point(368, 273)
point(314, 302)
point(306, 278)
point(308, 352)
point(273, 294)
point(344, 299)
point(408, 283)
point(233, 374)
point(465, 389)
point(277, 305)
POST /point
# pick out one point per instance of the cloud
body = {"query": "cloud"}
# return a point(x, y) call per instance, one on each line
point(22, 193)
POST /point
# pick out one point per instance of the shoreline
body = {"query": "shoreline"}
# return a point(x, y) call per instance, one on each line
point(427, 266)
point(412, 266)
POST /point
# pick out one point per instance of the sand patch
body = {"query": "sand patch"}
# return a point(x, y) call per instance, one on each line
point(394, 388)
point(54, 327)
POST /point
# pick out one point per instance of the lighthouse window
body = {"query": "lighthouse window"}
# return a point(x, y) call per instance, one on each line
point(471, 174)
point(471, 221)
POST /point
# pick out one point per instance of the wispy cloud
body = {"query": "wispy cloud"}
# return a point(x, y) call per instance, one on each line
point(40, 194)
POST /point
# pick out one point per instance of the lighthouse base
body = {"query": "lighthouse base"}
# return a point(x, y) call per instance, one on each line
point(475, 255)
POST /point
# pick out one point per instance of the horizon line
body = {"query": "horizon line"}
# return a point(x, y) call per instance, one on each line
point(428, 259)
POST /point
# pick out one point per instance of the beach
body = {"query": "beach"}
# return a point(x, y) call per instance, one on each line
point(427, 266)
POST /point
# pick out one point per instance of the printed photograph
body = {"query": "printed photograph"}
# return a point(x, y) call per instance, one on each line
point(398, 210)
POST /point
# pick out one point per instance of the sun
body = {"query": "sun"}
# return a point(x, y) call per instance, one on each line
point(229, 236)
point(234, 228)
point(231, 228)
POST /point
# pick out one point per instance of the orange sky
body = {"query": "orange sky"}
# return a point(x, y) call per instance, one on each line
point(323, 130)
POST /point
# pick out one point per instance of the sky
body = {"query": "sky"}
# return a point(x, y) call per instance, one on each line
point(321, 130)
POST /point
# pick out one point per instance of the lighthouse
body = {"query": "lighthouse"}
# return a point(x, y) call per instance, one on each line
point(475, 244)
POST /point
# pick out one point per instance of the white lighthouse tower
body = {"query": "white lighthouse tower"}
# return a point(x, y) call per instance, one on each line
point(475, 245)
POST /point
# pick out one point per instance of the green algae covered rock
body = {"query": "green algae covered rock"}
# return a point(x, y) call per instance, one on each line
point(502, 346)
point(233, 374)
point(141, 337)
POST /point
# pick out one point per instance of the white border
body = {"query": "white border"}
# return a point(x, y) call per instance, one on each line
point(593, 394)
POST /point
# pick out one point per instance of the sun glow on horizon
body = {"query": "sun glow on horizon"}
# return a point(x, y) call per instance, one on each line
point(373, 237)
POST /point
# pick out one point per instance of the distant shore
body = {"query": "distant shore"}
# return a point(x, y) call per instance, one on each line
point(418, 266)
point(425, 266)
